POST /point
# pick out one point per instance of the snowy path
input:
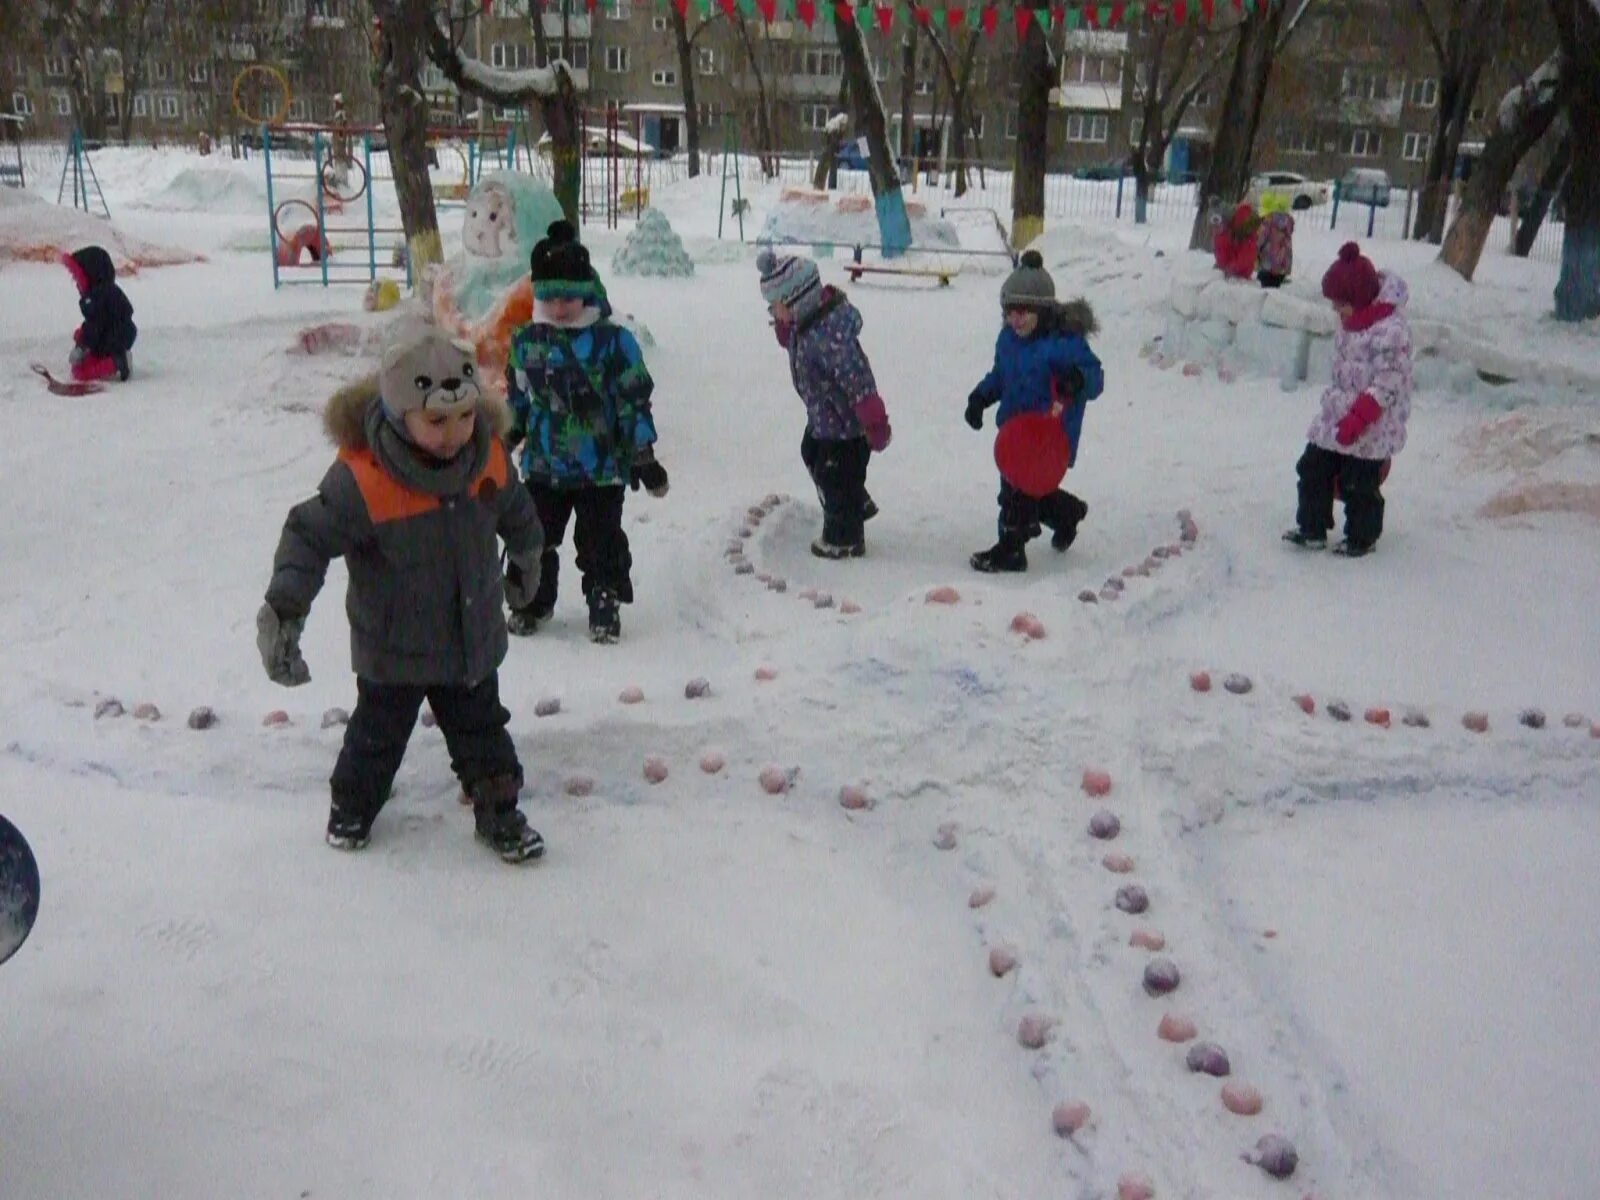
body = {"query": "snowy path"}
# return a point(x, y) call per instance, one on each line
point(707, 991)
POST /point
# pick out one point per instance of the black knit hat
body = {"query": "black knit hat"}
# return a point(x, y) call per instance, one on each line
point(560, 265)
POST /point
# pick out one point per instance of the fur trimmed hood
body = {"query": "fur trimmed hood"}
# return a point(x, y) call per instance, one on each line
point(1076, 316)
point(345, 416)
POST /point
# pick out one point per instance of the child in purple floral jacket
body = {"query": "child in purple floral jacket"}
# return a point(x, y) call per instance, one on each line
point(845, 418)
point(1361, 424)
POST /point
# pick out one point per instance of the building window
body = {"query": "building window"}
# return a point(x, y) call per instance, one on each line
point(161, 71)
point(167, 108)
point(200, 106)
point(1087, 127)
point(975, 125)
point(55, 68)
point(1364, 143)
point(710, 114)
point(1203, 98)
point(1416, 146)
point(659, 24)
point(924, 86)
point(880, 69)
point(21, 105)
point(508, 114)
point(617, 60)
point(298, 110)
point(508, 9)
point(1011, 124)
point(666, 77)
point(61, 104)
point(199, 72)
point(141, 105)
point(619, 10)
point(1297, 139)
point(1424, 92)
point(511, 56)
point(577, 56)
point(821, 63)
point(110, 106)
point(815, 117)
point(707, 61)
point(1091, 68)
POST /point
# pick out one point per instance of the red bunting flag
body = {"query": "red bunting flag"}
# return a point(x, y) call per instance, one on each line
point(806, 10)
point(844, 13)
point(683, 8)
point(1024, 18)
point(1118, 12)
point(731, 7)
point(989, 19)
point(1058, 15)
point(769, 10)
point(954, 17)
point(922, 14)
point(1180, 11)
point(1208, 9)
point(1092, 16)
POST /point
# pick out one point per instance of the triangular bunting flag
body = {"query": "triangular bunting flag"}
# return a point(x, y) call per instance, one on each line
point(731, 7)
point(990, 19)
point(954, 17)
point(1118, 12)
point(806, 10)
point(683, 8)
point(844, 13)
point(1091, 16)
point(1072, 18)
point(769, 10)
point(922, 15)
point(885, 15)
point(1180, 11)
point(1024, 18)
point(1208, 10)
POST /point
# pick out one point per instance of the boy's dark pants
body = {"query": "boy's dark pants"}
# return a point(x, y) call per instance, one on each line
point(473, 722)
point(1358, 487)
point(839, 469)
point(603, 555)
point(1021, 514)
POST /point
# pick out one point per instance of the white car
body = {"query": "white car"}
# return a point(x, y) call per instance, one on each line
point(1300, 192)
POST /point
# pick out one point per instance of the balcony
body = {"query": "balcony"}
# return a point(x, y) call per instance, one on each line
point(577, 25)
point(1088, 97)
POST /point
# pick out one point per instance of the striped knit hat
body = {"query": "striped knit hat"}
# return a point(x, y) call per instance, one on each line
point(788, 279)
point(560, 266)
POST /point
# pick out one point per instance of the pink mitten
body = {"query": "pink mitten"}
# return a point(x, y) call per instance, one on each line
point(874, 420)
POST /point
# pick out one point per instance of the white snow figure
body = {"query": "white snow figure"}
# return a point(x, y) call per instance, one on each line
point(484, 293)
point(653, 249)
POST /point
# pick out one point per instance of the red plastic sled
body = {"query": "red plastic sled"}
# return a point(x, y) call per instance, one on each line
point(65, 387)
point(1032, 452)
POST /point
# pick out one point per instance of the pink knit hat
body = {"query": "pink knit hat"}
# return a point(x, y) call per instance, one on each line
point(1352, 279)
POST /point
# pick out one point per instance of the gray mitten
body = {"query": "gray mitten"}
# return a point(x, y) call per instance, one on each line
point(522, 578)
point(278, 639)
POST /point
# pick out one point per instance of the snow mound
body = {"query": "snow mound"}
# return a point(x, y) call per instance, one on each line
point(653, 249)
point(1580, 498)
point(212, 190)
point(33, 230)
point(805, 216)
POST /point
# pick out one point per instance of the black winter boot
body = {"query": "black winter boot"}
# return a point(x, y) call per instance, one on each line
point(605, 615)
point(348, 828)
point(1067, 522)
point(1006, 555)
point(499, 821)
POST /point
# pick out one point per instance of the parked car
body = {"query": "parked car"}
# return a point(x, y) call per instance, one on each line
point(1106, 170)
point(1297, 190)
point(1365, 185)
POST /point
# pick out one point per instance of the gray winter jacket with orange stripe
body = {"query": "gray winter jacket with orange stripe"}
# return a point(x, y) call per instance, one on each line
point(419, 540)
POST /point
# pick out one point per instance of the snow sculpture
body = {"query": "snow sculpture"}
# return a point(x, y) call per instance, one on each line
point(653, 249)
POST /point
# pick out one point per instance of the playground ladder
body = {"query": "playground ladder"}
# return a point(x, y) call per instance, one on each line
point(81, 171)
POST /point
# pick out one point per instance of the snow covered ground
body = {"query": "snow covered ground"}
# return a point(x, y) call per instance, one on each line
point(707, 991)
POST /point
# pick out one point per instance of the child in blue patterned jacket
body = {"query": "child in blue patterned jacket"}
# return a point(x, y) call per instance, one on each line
point(580, 399)
point(845, 418)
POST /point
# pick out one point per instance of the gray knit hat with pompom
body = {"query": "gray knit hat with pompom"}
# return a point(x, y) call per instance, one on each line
point(1030, 285)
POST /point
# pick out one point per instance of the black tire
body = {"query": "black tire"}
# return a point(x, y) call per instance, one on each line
point(1301, 203)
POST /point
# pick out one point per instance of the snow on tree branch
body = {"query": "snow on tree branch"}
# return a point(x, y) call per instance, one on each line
point(837, 123)
point(1535, 91)
point(490, 83)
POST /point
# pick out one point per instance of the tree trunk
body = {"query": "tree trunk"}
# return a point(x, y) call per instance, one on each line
point(1229, 174)
point(1578, 288)
point(560, 116)
point(402, 52)
point(1526, 114)
point(1461, 58)
point(894, 227)
point(908, 87)
point(1035, 75)
point(1532, 220)
point(765, 145)
point(691, 110)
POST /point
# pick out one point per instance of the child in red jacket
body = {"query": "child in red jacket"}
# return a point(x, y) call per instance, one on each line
point(101, 343)
point(1235, 244)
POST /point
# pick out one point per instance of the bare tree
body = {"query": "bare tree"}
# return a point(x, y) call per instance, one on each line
point(958, 85)
point(1463, 34)
point(766, 144)
point(1261, 36)
point(1177, 66)
point(1578, 32)
point(1531, 219)
point(908, 89)
point(1525, 114)
point(135, 30)
point(867, 109)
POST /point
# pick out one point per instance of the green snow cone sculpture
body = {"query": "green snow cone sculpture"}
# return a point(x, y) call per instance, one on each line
point(653, 249)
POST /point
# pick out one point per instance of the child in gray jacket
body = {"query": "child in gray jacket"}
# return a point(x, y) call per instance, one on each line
point(421, 490)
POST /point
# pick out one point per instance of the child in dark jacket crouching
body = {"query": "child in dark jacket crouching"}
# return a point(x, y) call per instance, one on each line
point(421, 490)
point(100, 345)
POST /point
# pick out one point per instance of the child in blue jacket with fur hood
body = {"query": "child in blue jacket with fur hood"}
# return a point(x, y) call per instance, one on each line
point(1041, 359)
